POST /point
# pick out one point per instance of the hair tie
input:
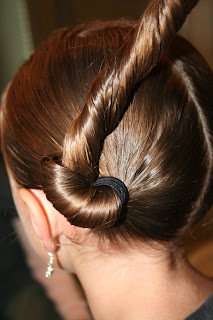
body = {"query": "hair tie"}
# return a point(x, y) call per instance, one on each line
point(117, 185)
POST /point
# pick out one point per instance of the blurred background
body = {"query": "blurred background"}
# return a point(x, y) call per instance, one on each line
point(24, 24)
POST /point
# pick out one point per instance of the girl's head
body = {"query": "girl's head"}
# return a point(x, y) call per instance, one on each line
point(121, 99)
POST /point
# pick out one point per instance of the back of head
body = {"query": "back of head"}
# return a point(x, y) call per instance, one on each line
point(122, 99)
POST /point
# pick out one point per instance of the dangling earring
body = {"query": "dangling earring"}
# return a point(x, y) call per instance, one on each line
point(50, 269)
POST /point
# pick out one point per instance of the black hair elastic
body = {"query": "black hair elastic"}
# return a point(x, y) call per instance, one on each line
point(117, 185)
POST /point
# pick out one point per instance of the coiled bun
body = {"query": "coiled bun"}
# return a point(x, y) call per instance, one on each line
point(85, 205)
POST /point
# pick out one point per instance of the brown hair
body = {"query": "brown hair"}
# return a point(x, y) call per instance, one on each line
point(123, 99)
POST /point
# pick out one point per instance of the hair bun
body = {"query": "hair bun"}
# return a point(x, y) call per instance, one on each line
point(84, 204)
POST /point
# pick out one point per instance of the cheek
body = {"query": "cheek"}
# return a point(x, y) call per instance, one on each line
point(31, 245)
point(28, 238)
point(30, 248)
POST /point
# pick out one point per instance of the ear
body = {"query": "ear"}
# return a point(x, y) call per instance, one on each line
point(46, 221)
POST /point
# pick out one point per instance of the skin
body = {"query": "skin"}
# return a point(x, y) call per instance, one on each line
point(63, 289)
point(135, 283)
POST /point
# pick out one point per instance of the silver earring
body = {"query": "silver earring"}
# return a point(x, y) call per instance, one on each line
point(50, 269)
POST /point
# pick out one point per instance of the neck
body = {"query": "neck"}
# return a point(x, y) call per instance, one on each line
point(138, 285)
